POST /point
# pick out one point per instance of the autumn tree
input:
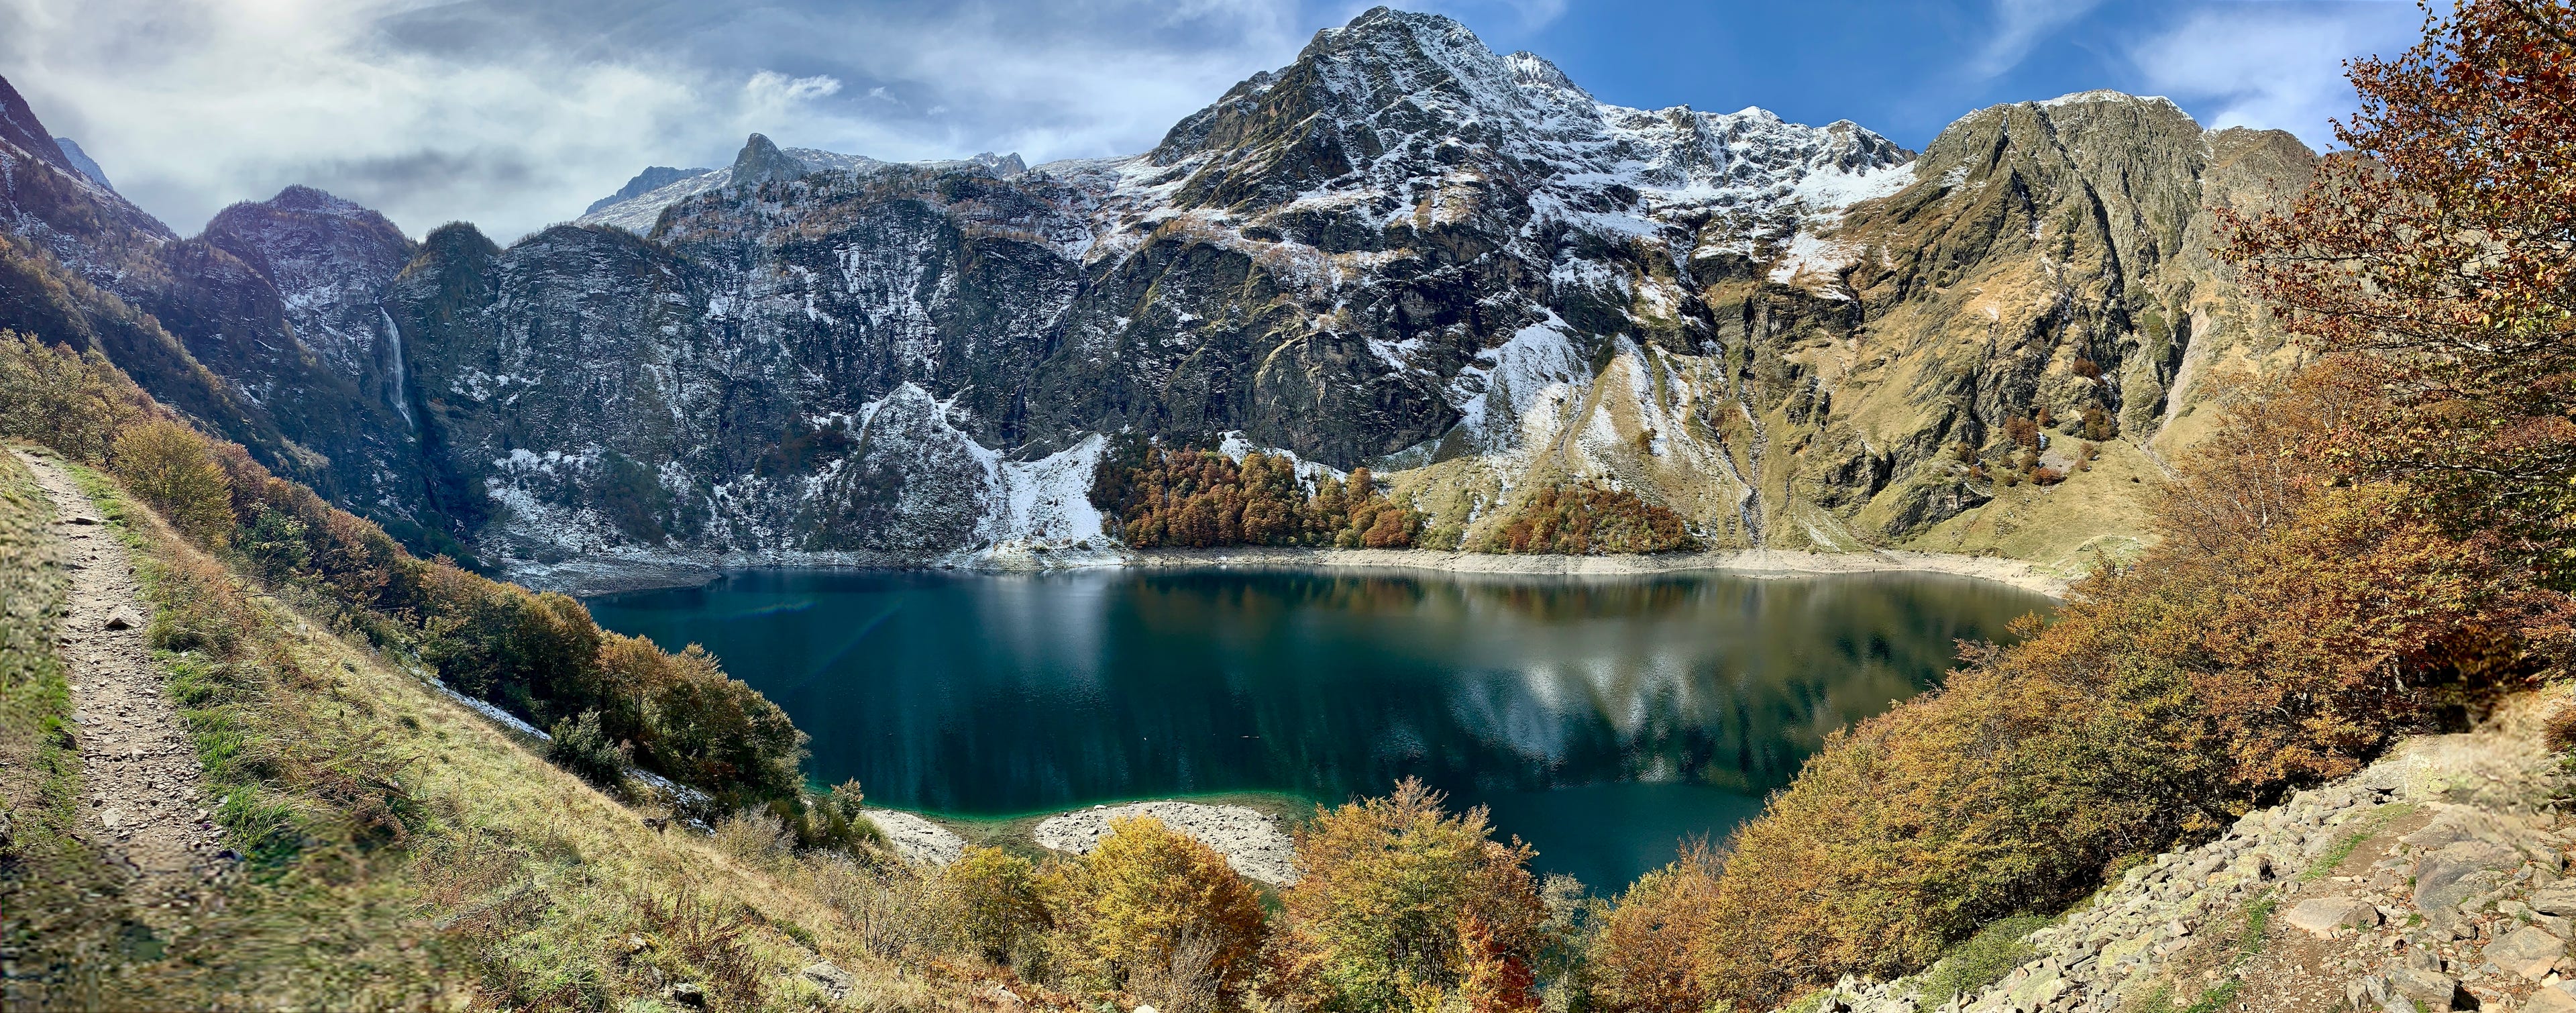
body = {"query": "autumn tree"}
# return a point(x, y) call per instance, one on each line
point(1152, 904)
point(1401, 905)
point(997, 894)
point(2433, 267)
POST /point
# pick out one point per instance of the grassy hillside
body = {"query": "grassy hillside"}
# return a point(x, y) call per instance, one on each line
point(400, 850)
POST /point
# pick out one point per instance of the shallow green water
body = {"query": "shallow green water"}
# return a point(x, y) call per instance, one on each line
point(1603, 719)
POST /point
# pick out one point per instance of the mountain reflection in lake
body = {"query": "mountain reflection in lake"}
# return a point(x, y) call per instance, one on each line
point(1603, 719)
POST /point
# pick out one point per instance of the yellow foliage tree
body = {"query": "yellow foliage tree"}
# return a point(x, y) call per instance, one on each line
point(1401, 905)
point(1150, 898)
point(997, 893)
point(167, 464)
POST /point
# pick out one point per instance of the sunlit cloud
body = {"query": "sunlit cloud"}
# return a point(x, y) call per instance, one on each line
point(2273, 66)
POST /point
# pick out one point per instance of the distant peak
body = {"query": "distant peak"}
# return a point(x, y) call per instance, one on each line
point(80, 160)
point(1529, 68)
point(304, 198)
point(651, 179)
point(761, 162)
point(2104, 95)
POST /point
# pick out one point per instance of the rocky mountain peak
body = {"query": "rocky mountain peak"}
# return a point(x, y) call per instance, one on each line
point(19, 126)
point(652, 178)
point(1531, 70)
point(81, 161)
point(761, 162)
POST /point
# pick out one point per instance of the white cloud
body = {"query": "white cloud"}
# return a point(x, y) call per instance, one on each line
point(2020, 25)
point(772, 87)
point(515, 115)
point(2273, 66)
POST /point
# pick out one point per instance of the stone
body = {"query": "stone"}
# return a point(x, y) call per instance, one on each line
point(2559, 900)
point(122, 619)
point(688, 993)
point(831, 979)
point(2527, 951)
point(2447, 877)
point(2551, 999)
point(2433, 992)
point(2323, 915)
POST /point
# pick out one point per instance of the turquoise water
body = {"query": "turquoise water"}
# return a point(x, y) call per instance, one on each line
point(1605, 720)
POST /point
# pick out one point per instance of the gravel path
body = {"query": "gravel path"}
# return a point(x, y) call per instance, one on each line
point(144, 806)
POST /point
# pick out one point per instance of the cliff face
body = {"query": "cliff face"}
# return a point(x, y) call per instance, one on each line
point(1402, 250)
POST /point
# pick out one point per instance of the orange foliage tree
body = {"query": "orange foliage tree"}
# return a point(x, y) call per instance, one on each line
point(2434, 265)
point(1190, 499)
point(1401, 905)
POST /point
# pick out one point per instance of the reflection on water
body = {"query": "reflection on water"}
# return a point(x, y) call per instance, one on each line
point(1602, 718)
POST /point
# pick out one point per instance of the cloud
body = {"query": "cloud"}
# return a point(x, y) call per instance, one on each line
point(779, 89)
point(514, 114)
point(2273, 66)
point(2019, 26)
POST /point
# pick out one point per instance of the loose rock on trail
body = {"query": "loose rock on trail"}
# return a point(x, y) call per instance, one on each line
point(143, 802)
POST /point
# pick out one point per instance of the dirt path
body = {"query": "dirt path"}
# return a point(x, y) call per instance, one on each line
point(143, 805)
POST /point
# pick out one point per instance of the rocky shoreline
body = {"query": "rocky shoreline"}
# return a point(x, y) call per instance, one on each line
point(1253, 843)
point(597, 575)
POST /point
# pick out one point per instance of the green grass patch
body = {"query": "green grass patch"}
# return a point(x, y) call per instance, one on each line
point(2362, 830)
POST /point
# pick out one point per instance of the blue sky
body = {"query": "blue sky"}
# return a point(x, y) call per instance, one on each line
point(517, 113)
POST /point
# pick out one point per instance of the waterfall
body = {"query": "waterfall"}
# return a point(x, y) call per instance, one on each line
point(401, 395)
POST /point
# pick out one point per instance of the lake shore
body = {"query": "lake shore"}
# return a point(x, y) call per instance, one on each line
point(599, 575)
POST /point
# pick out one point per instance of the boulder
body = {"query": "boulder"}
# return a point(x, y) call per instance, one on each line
point(2527, 951)
point(2559, 900)
point(2323, 915)
point(831, 979)
point(2431, 992)
point(2448, 876)
point(2551, 999)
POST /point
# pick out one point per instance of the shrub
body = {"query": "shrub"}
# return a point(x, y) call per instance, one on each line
point(2046, 476)
point(580, 747)
point(167, 464)
point(1402, 905)
point(1982, 960)
point(71, 401)
point(997, 897)
point(1150, 901)
point(2022, 432)
point(1587, 518)
point(832, 820)
point(275, 544)
point(2098, 426)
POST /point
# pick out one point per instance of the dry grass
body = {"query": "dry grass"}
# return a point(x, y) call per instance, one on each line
point(404, 852)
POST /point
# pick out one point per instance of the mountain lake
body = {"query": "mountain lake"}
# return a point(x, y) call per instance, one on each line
point(1605, 720)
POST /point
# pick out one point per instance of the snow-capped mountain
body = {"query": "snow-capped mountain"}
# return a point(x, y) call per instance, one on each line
point(1402, 250)
point(640, 203)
